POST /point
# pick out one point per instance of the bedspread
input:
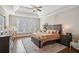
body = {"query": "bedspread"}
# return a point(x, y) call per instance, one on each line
point(46, 36)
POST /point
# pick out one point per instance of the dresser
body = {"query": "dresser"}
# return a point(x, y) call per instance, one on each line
point(66, 39)
point(4, 44)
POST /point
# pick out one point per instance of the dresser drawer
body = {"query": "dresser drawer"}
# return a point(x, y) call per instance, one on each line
point(66, 39)
point(4, 44)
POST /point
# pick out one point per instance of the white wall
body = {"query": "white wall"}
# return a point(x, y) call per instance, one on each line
point(49, 20)
point(67, 18)
point(3, 13)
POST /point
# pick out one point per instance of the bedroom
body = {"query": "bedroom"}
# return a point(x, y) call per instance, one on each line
point(26, 22)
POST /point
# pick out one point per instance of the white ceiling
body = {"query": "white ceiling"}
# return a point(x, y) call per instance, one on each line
point(27, 10)
point(47, 9)
point(8, 8)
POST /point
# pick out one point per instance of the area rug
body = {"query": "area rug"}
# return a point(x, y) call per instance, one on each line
point(30, 47)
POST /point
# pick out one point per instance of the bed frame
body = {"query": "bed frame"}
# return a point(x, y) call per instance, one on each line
point(52, 27)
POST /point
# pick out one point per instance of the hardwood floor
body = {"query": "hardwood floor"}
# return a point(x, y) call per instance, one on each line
point(68, 50)
point(19, 48)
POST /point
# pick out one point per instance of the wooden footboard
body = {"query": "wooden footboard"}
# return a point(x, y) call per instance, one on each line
point(40, 44)
point(36, 41)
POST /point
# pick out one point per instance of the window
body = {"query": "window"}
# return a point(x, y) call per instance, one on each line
point(1, 22)
point(28, 25)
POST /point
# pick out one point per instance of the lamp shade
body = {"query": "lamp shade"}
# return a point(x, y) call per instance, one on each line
point(66, 28)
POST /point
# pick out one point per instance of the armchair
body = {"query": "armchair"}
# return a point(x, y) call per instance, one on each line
point(75, 45)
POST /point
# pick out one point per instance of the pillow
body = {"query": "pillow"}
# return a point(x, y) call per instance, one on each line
point(51, 31)
point(56, 31)
point(48, 31)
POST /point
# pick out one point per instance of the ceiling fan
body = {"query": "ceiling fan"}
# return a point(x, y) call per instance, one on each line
point(34, 7)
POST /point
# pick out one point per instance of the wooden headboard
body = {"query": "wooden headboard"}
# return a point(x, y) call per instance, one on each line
point(55, 27)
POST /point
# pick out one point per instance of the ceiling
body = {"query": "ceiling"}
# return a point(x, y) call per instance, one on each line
point(50, 8)
point(26, 9)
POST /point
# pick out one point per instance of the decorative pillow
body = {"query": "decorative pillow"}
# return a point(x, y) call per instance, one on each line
point(53, 31)
point(56, 31)
point(50, 31)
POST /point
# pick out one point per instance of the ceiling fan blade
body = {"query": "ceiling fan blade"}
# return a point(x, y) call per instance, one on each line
point(39, 10)
point(40, 7)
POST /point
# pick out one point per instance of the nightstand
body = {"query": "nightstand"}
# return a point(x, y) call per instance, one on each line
point(66, 39)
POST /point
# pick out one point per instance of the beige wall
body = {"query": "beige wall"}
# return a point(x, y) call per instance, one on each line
point(12, 21)
point(68, 18)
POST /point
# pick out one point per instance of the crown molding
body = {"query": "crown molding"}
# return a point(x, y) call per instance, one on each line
point(63, 9)
point(27, 16)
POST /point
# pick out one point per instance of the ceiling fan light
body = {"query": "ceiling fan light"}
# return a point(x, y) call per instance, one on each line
point(34, 9)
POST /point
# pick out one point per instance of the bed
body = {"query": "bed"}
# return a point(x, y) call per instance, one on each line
point(52, 34)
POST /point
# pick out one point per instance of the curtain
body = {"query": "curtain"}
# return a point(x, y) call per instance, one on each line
point(28, 25)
